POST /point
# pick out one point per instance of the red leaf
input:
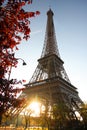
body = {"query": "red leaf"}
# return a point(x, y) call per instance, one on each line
point(31, 14)
point(37, 12)
point(17, 48)
point(23, 80)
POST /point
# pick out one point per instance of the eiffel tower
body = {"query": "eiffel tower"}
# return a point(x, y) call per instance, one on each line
point(50, 81)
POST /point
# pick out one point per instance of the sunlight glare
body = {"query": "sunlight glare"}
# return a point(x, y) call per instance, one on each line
point(35, 107)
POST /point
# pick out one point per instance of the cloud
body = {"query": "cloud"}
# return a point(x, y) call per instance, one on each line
point(36, 32)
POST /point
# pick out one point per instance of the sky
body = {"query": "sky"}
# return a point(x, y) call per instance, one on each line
point(70, 21)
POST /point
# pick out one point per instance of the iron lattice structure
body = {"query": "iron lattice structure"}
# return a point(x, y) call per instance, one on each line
point(50, 64)
point(50, 81)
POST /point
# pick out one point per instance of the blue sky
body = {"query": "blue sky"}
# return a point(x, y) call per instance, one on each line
point(70, 20)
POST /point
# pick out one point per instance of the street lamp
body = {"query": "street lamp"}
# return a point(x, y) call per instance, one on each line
point(24, 63)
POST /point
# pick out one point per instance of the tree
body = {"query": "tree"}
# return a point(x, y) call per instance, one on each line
point(83, 112)
point(14, 21)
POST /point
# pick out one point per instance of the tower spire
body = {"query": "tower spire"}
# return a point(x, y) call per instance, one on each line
point(50, 44)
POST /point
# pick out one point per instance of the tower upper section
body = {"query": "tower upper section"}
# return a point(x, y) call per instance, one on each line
point(50, 44)
point(50, 65)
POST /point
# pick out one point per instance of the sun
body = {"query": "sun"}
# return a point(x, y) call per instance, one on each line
point(35, 108)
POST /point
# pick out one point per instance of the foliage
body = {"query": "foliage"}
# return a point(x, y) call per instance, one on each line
point(14, 26)
point(83, 112)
